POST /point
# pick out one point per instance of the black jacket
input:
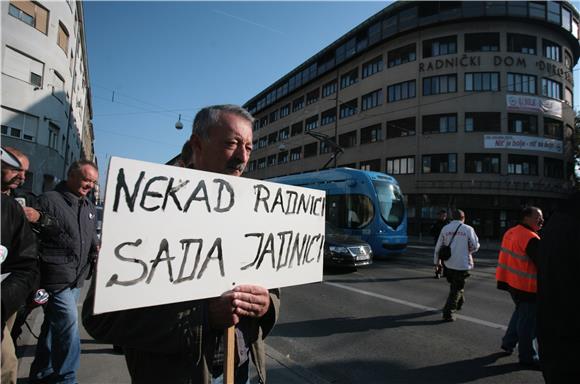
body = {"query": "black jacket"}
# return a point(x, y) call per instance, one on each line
point(21, 261)
point(66, 247)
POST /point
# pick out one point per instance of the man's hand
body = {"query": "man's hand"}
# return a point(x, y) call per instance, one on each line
point(32, 215)
point(251, 300)
point(243, 300)
point(221, 311)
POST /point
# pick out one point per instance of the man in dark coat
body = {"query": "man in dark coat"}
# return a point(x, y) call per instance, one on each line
point(66, 252)
point(558, 292)
point(18, 256)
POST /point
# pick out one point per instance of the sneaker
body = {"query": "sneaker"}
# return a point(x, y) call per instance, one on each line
point(448, 317)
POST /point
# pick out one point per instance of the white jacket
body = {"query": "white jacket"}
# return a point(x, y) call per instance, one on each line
point(464, 244)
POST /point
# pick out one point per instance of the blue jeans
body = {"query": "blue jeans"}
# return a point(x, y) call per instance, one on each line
point(241, 375)
point(58, 351)
point(522, 331)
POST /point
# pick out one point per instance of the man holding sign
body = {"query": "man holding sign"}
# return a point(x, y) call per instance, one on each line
point(183, 342)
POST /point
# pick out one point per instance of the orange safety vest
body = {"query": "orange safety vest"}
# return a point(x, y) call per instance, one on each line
point(514, 267)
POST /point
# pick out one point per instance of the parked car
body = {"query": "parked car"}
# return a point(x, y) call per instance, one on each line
point(342, 250)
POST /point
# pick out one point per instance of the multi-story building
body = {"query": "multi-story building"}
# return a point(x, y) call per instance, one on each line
point(467, 104)
point(46, 103)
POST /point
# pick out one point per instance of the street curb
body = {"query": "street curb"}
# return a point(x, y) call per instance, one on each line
point(306, 375)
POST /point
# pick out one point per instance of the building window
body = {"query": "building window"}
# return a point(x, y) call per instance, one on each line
point(371, 165)
point(553, 128)
point(371, 134)
point(482, 122)
point(481, 81)
point(62, 37)
point(328, 116)
point(19, 125)
point(53, 132)
point(568, 96)
point(22, 67)
point(482, 163)
point(349, 78)
point(312, 96)
point(264, 121)
point(401, 91)
point(522, 165)
point(274, 115)
point(402, 55)
point(262, 163)
point(311, 123)
point(481, 42)
point(30, 13)
point(283, 157)
point(329, 88)
point(372, 99)
point(256, 125)
point(551, 50)
point(401, 127)
point(285, 111)
point(296, 129)
point(348, 109)
point(347, 140)
point(551, 88)
point(295, 153)
point(553, 168)
point(537, 10)
point(58, 87)
point(440, 46)
point(271, 160)
point(568, 62)
point(443, 163)
point(439, 84)
point(443, 123)
point(272, 138)
point(298, 104)
point(520, 123)
point(284, 133)
point(310, 150)
point(372, 67)
point(518, 82)
point(401, 165)
point(252, 166)
point(521, 43)
point(263, 142)
point(554, 12)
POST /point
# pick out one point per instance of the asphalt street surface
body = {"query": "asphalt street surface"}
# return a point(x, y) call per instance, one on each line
point(380, 324)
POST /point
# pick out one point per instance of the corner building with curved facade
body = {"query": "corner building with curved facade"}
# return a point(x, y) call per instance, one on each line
point(467, 104)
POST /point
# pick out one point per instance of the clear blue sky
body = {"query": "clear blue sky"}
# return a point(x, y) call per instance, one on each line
point(162, 59)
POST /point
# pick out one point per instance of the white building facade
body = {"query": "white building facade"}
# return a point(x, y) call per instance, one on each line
point(46, 99)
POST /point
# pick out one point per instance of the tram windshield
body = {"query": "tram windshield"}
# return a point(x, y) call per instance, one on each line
point(390, 202)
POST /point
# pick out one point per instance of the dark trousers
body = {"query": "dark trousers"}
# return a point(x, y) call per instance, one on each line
point(456, 280)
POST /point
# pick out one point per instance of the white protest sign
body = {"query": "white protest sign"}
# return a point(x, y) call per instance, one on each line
point(173, 234)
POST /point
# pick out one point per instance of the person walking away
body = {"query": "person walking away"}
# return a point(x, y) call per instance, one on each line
point(456, 270)
point(516, 273)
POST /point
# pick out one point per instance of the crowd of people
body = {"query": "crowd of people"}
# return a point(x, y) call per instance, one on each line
point(50, 244)
point(538, 266)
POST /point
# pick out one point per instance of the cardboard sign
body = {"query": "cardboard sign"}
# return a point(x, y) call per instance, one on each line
point(174, 234)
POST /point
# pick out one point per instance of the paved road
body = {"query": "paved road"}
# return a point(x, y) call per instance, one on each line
point(382, 324)
point(378, 325)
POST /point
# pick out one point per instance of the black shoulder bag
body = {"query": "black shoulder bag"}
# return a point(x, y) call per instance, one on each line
point(445, 250)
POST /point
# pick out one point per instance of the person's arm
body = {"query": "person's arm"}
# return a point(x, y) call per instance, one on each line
point(533, 249)
point(473, 241)
point(169, 328)
point(22, 263)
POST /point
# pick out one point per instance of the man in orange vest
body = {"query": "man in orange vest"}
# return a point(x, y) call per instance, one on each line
point(516, 273)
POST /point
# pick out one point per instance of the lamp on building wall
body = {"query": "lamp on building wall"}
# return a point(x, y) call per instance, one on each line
point(179, 124)
point(282, 147)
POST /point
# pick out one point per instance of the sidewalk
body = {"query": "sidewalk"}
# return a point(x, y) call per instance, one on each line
point(101, 365)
